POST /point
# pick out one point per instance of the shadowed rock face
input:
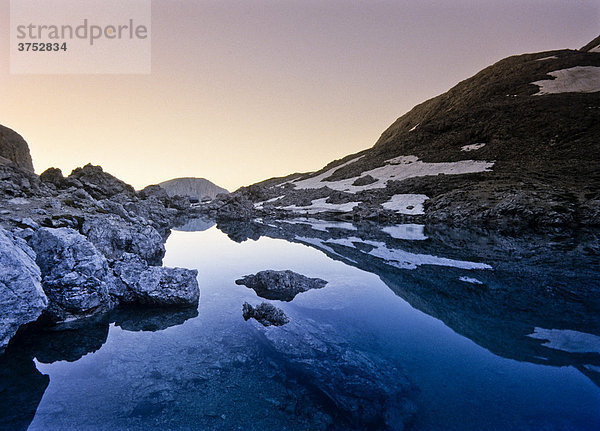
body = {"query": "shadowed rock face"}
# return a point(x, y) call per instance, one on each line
point(23, 298)
point(14, 149)
point(280, 285)
point(99, 184)
point(266, 314)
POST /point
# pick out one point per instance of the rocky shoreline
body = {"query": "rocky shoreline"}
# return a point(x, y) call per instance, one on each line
point(78, 246)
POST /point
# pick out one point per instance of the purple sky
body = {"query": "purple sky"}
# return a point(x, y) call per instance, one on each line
point(245, 90)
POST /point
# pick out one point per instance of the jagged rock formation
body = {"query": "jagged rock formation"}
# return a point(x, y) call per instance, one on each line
point(280, 285)
point(266, 314)
point(513, 146)
point(14, 149)
point(196, 188)
point(80, 245)
point(75, 274)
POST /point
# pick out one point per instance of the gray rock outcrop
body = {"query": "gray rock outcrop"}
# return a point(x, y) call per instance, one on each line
point(160, 286)
point(280, 285)
point(114, 238)
point(22, 298)
point(98, 244)
point(98, 183)
point(138, 283)
point(266, 314)
point(75, 274)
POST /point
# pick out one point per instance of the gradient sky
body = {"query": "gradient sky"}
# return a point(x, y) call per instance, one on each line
point(241, 91)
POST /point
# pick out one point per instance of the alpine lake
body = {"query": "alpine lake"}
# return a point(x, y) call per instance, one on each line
point(417, 329)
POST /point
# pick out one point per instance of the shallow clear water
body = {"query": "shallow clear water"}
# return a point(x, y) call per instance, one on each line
point(380, 347)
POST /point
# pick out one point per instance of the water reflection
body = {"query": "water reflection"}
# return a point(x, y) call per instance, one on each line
point(495, 290)
point(22, 385)
point(354, 356)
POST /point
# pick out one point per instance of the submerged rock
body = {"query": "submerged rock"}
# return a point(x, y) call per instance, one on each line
point(75, 275)
point(280, 285)
point(266, 314)
point(361, 390)
point(22, 298)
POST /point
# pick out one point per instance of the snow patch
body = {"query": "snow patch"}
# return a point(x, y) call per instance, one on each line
point(595, 49)
point(568, 340)
point(579, 79)
point(260, 204)
point(412, 232)
point(319, 206)
point(470, 280)
point(414, 127)
point(472, 147)
point(405, 260)
point(320, 177)
point(322, 225)
point(411, 204)
point(398, 168)
point(552, 57)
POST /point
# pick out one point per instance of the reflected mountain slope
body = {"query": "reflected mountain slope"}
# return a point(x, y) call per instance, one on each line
point(496, 290)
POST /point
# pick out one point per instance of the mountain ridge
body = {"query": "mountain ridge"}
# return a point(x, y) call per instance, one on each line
point(513, 144)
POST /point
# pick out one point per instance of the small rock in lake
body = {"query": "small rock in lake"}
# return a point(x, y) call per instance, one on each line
point(266, 314)
point(280, 285)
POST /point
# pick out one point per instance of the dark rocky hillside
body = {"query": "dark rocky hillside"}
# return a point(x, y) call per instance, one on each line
point(515, 145)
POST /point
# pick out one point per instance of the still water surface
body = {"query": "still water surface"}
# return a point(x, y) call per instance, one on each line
point(400, 338)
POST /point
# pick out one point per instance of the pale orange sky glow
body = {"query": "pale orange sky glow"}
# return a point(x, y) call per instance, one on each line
point(241, 91)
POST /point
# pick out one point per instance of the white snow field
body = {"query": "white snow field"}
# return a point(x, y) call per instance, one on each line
point(406, 260)
point(319, 206)
point(579, 79)
point(406, 204)
point(398, 168)
point(470, 280)
point(322, 225)
point(472, 147)
point(412, 232)
point(568, 340)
